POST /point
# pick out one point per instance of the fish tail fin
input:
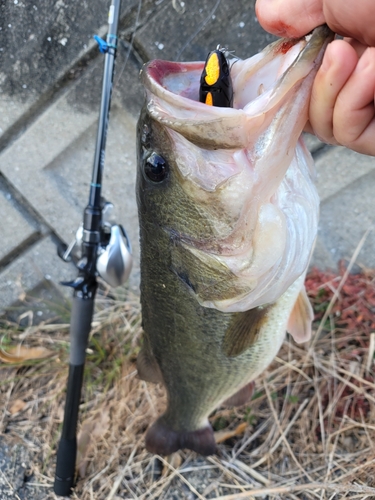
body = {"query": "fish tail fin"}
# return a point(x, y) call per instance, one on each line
point(163, 440)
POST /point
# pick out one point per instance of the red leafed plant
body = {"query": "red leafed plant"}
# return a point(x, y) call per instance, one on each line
point(355, 308)
point(351, 321)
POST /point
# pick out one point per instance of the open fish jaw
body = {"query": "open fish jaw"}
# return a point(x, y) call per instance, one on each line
point(247, 162)
point(228, 226)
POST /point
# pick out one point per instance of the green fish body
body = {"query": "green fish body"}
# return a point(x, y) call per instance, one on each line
point(228, 217)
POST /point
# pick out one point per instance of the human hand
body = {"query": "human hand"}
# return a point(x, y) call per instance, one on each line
point(342, 100)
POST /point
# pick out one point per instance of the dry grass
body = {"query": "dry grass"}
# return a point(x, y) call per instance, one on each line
point(309, 433)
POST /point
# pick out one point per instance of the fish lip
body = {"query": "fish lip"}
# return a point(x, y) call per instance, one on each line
point(154, 73)
point(172, 90)
point(254, 130)
point(157, 69)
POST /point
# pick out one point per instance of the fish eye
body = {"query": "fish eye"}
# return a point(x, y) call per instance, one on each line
point(156, 168)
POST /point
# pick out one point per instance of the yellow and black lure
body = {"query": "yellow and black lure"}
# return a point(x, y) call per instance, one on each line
point(216, 87)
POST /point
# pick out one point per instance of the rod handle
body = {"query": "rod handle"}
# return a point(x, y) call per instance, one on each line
point(80, 325)
point(65, 468)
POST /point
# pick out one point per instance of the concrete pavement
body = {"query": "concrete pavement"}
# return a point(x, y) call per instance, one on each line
point(50, 75)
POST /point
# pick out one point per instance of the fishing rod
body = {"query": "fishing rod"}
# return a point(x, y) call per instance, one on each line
point(105, 252)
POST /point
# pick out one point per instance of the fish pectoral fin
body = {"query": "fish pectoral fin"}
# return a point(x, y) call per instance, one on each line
point(301, 317)
point(243, 330)
point(242, 396)
point(148, 368)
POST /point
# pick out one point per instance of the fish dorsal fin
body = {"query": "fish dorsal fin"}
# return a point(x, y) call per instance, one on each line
point(243, 330)
point(301, 317)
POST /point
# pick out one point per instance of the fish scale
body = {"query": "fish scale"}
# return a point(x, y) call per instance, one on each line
point(219, 288)
point(207, 367)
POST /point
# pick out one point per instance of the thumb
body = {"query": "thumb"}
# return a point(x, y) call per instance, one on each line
point(290, 18)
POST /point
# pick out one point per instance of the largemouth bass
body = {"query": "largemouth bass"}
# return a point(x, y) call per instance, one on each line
point(228, 217)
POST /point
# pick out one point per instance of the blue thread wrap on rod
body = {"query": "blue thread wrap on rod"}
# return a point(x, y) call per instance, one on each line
point(105, 45)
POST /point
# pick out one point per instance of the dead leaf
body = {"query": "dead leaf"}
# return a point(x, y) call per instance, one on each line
point(27, 314)
point(18, 405)
point(93, 428)
point(20, 353)
point(221, 436)
point(83, 445)
point(175, 460)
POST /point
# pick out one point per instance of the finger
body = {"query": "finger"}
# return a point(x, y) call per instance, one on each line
point(308, 128)
point(357, 46)
point(354, 116)
point(293, 18)
point(351, 19)
point(339, 62)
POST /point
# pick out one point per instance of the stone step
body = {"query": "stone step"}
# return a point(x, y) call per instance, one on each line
point(338, 167)
point(36, 265)
point(49, 167)
point(53, 47)
point(345, 218)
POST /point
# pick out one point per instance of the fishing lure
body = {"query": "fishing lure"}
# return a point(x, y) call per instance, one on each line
point(216, 84)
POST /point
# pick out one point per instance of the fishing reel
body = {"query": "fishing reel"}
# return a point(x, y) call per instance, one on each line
point(114, 256)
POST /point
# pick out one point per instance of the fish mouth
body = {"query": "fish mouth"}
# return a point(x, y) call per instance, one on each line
point(259, 84)
point(248, 162)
